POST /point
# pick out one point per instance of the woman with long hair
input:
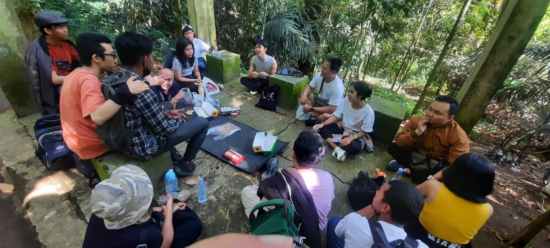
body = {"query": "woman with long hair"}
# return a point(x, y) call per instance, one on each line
point(186, 66)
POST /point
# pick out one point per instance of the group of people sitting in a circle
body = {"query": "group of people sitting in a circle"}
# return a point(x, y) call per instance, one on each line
point(446, 209)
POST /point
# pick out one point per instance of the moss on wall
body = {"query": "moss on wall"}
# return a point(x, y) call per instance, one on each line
point(13, 75)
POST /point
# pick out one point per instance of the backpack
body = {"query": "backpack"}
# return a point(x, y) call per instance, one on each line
point(380, 240)
point(52, 150)
point(362, 190)
point(275, 221)
point(268, 99)
point(113, 132)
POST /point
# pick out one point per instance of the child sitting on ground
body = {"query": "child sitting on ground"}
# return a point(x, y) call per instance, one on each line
point(122, 216)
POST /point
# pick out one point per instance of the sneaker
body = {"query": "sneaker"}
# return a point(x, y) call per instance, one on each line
point(340, 154)
point(272, 165)
point(393, 166)
point(183, 169)
point(253, 92)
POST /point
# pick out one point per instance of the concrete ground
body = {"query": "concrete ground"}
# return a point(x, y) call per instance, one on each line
point(57, 203)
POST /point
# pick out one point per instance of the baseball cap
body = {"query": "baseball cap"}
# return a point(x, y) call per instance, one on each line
point(124, 198)
point(46, 18)
point(185, 28)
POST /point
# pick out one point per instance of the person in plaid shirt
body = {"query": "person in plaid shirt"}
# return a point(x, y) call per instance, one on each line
point(156, 130)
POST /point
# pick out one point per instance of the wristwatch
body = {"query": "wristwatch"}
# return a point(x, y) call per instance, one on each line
point(355, 136)
point(430, 177)
point(418, 132)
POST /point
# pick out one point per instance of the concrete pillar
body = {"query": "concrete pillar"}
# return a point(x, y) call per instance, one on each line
point(515, 27)
point(201, 15)
point(13, 75)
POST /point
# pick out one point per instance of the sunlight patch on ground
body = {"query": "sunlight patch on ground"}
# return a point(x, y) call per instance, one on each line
point(491, 198)
point(56, 184)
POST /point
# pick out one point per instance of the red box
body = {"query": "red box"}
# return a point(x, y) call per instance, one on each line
point(233, 156)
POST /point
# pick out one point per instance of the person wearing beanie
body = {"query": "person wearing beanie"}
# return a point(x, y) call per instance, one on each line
point(122, 215)
point(49, 59)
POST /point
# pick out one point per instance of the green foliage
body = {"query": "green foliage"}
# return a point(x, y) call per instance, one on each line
point(160, 20)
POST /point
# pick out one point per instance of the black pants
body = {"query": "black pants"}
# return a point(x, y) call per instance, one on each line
point(402, 156)
point(415, 230)
point(187, 227)
point(168, 105)
point(193, 130)
point(352, 148)
point(255, 84)
point(191, 85)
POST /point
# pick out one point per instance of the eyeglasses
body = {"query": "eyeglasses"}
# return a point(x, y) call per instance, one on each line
point(111, 54)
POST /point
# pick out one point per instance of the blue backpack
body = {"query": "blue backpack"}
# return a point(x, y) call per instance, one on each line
point(52, 149)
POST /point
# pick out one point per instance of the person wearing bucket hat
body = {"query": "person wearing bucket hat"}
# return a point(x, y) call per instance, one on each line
point(122, 215)
point(49, 59)
point(200, 49)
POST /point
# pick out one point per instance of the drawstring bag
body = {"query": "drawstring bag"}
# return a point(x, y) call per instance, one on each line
point(300, 115)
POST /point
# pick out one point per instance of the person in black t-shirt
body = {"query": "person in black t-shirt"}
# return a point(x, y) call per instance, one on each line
point(122, 216)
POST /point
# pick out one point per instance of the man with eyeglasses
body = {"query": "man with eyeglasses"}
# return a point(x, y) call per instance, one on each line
point(82, 104)
point(49, 59)
point(330, 90)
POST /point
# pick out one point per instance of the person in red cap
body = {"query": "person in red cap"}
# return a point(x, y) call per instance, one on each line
point(49, 59)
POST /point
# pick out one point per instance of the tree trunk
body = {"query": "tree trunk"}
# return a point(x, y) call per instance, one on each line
point(521, 238)
point(413, 43)
point(315, 10)
point(515, 28)
point(402, 81)
point(439, 89)
point(433, 73)
point(369, 58)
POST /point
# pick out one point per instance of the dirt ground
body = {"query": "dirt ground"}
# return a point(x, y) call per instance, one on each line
point(517, 200)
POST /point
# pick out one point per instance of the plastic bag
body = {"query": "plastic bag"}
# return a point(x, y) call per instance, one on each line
point(300, 115)
point(223, 131)
point(198, 100)
point(188, 98)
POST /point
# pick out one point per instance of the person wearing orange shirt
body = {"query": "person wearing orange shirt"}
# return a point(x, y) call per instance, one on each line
point(49, 59)
point(429, 142)
point(82, 104)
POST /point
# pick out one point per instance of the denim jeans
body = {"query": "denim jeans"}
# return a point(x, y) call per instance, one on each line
point(334, 241)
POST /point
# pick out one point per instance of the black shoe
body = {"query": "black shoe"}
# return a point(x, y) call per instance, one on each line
point(183, 169)
point(311, 122)
point(176, 157)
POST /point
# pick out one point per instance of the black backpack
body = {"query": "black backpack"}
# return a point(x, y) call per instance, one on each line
point(268, 99)
point(113, 132)
point(380, 240)
point(362, 190)
point(52, 150)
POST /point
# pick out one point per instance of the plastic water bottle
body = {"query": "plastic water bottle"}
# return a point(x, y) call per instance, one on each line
point(398, 175)
point(201, 190)
point(171, 182)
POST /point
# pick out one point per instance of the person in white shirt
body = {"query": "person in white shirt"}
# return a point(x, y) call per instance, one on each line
point(397, 203)
point(350, 136)
point(330, 90)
